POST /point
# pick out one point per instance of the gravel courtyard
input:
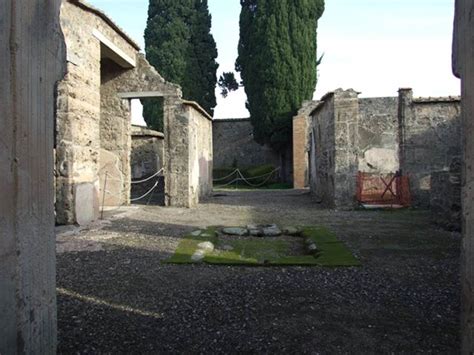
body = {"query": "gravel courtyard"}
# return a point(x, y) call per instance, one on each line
point(116, 296)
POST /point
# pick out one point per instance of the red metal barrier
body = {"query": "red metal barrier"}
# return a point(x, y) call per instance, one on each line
point(390, 189)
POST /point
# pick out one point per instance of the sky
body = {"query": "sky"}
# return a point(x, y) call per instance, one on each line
point(372, 46)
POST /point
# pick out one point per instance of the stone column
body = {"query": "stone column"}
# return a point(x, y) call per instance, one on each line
point(33, 60)
point(463, 66)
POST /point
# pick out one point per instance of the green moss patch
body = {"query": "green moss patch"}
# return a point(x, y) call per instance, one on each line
point(274, 251)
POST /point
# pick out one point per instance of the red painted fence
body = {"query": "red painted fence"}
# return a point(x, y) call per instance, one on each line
point(389, 189)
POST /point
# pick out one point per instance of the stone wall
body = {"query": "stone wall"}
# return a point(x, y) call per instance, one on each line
point(333, 153)
point(418, 136)
point(430, 140)
point(234, 145)
point(445, 197)
point(378, 139)
point(78, 131)
point(93, 136)
point(463, 67)
point(301, 145)
point(147, 152)
point(200, 145)
point(32, 60)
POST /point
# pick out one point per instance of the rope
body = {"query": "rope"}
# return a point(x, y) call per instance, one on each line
point(245, 180)
point(226, 177)
point(262, 183)
point(259, 177)
point(148, 178)
point(146, 194)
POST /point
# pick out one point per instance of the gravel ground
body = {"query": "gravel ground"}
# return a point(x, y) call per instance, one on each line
point(115, 296)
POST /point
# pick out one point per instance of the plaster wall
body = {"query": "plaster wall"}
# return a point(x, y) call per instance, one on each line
point(378, 139)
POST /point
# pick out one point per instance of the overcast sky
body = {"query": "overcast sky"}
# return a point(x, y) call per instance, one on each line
point(373, 46)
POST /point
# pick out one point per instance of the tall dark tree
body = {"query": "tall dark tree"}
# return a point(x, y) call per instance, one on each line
point(277, 62)
point(178, 43)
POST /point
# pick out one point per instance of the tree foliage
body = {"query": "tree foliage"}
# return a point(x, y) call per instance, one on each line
point(179, 45)
point(277, 62)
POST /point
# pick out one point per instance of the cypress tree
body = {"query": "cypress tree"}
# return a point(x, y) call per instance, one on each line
point(277, 61)
point(178, 43)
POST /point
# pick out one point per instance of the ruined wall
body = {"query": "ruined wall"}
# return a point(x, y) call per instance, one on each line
point(334, 149)
point(378, 138)
point(78, 137)
point(147, 152)
point(445, 197)
point(429, 140)
point(234, 145)
point(32, 60)
point(463, 67)
point(301, 145)
point(115, 135)
point(200, 143)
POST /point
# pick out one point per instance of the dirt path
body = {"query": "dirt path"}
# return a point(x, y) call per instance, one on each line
point(116, 296)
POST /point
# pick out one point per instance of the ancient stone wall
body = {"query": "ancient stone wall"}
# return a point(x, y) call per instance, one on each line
point(200, 146)
point(32, 60)
point(463, 67)
point(334, 149)
point(430, 140)
point(378, 138)
point(94, 144)
point(147, 152)
point(234, 145)
point(445, 197)
point(301, 145)
point(79, 122)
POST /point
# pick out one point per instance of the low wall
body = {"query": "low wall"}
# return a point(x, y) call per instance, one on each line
point(234, 145)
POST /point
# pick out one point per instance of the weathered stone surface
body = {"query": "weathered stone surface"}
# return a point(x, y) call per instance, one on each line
point(271, 230)
point(333, 140)
point(312, 248)
point(32, 60)
point(430, 136)
point(147, 152)
point(293, 231)
point(463, 66)
point(445, 202)
point(198, 256)
point(235, 231)
point(104, 71)
point(234, 145)
point(301, 144)
point(377, 136)
point(206, 247)
point(348, 135)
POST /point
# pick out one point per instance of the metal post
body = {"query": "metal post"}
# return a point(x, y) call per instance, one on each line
point(103, 195)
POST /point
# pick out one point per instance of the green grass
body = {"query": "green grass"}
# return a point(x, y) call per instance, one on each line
point(268, 252)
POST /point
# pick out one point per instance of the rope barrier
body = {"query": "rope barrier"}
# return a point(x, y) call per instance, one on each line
point(246, 180)
point(148, 178)
point(260, 184)
point(146, 194)
point(226, 177)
